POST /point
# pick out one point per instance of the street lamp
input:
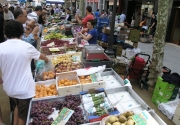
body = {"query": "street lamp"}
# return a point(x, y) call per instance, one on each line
point(109, 51)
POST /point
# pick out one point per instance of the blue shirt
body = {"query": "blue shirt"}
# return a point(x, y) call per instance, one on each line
point(30, 39)
point(94, 35)
point(97, 15)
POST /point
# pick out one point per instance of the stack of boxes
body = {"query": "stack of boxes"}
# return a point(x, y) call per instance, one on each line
point(134, 36)
point(123, 34)
point(164, 92)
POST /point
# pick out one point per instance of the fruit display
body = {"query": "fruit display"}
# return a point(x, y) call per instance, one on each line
point(48, 75)
point(46, 50)
point(64, 58)
point(43, 112)
point(56, 42)
point(66, 82)
point(54, 35)
point(85, 79)
point(44, 91)
point(123, 119)
point(67, 66)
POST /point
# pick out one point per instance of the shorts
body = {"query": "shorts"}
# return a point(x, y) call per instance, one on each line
point(152, 31)
point(23, 107)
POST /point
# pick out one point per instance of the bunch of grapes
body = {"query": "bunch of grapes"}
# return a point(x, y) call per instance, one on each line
point(75, 99)
point(40, 111)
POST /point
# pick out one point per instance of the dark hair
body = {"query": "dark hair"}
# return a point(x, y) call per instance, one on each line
point(89, 9)
point(17, 12)
point(92, 22)
point(97, 10)
point(13, 29)
point(38, 8)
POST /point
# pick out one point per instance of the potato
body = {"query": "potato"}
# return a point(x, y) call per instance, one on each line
point(130, 117)
point(129, 113)
point(112, 119)
point(130, 122)
point(107, 123)
point(116, 123)
point(122, 118)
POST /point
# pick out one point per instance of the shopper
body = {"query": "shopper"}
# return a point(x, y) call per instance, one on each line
point(122, 17)
point(97, 14)
point(35, 15)
point(68, 14)
point(92, 32)
point(20, 15)
point(15, 59)
point(8, 15)
point(42, 21)
point(52, 11)
point(152, 27)
point(30, 35)
point(89, 16)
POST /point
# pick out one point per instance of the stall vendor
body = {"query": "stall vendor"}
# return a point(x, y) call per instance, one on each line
point(89, 16)
point(91, 37)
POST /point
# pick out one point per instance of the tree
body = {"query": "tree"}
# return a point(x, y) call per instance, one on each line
point(65, 4)
point(159, 43)
point(81, 8)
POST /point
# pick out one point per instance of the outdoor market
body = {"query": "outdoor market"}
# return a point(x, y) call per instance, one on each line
point(74, 70)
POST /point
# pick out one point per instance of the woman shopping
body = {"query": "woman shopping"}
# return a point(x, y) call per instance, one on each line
point(91, 36)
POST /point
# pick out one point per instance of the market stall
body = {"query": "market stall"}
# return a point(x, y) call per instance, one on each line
point(79, 86)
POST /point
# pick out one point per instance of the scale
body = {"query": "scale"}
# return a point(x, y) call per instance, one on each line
point(93, 52)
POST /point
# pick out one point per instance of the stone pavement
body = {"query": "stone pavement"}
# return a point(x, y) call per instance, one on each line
point(171, 55)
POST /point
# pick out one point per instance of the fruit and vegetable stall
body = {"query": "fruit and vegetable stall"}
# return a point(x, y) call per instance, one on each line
point(79, 87)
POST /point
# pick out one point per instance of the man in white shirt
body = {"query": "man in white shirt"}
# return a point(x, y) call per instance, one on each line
point(8, 15)
point(122, 18)
point(17, 79)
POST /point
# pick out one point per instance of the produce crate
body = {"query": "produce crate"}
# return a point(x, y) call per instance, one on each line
point(140, 104)
point(111, 78)
point(160, 100)
point(95, 84)
point(46, 83)
point(134, 35)
point(120, 68)
point(57, 50)
point(94, 118)
point(47, 100)
point(67, 90)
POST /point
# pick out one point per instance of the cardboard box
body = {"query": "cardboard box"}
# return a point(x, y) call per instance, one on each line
point(134, 35)
point(164, 86)
point(67, 90)
point(106, 30)
point(96, 83)
point(177, 112)
point(165, 94)
point(176, 120)
point(46, 83)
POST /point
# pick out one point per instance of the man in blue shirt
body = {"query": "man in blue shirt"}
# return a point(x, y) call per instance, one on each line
point(97, 15)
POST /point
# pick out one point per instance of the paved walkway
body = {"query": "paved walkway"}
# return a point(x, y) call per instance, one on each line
point(171, 55)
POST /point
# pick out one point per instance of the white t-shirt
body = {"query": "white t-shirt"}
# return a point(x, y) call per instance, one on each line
point(8, 15)
point(15, 60)
point(122, 18)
